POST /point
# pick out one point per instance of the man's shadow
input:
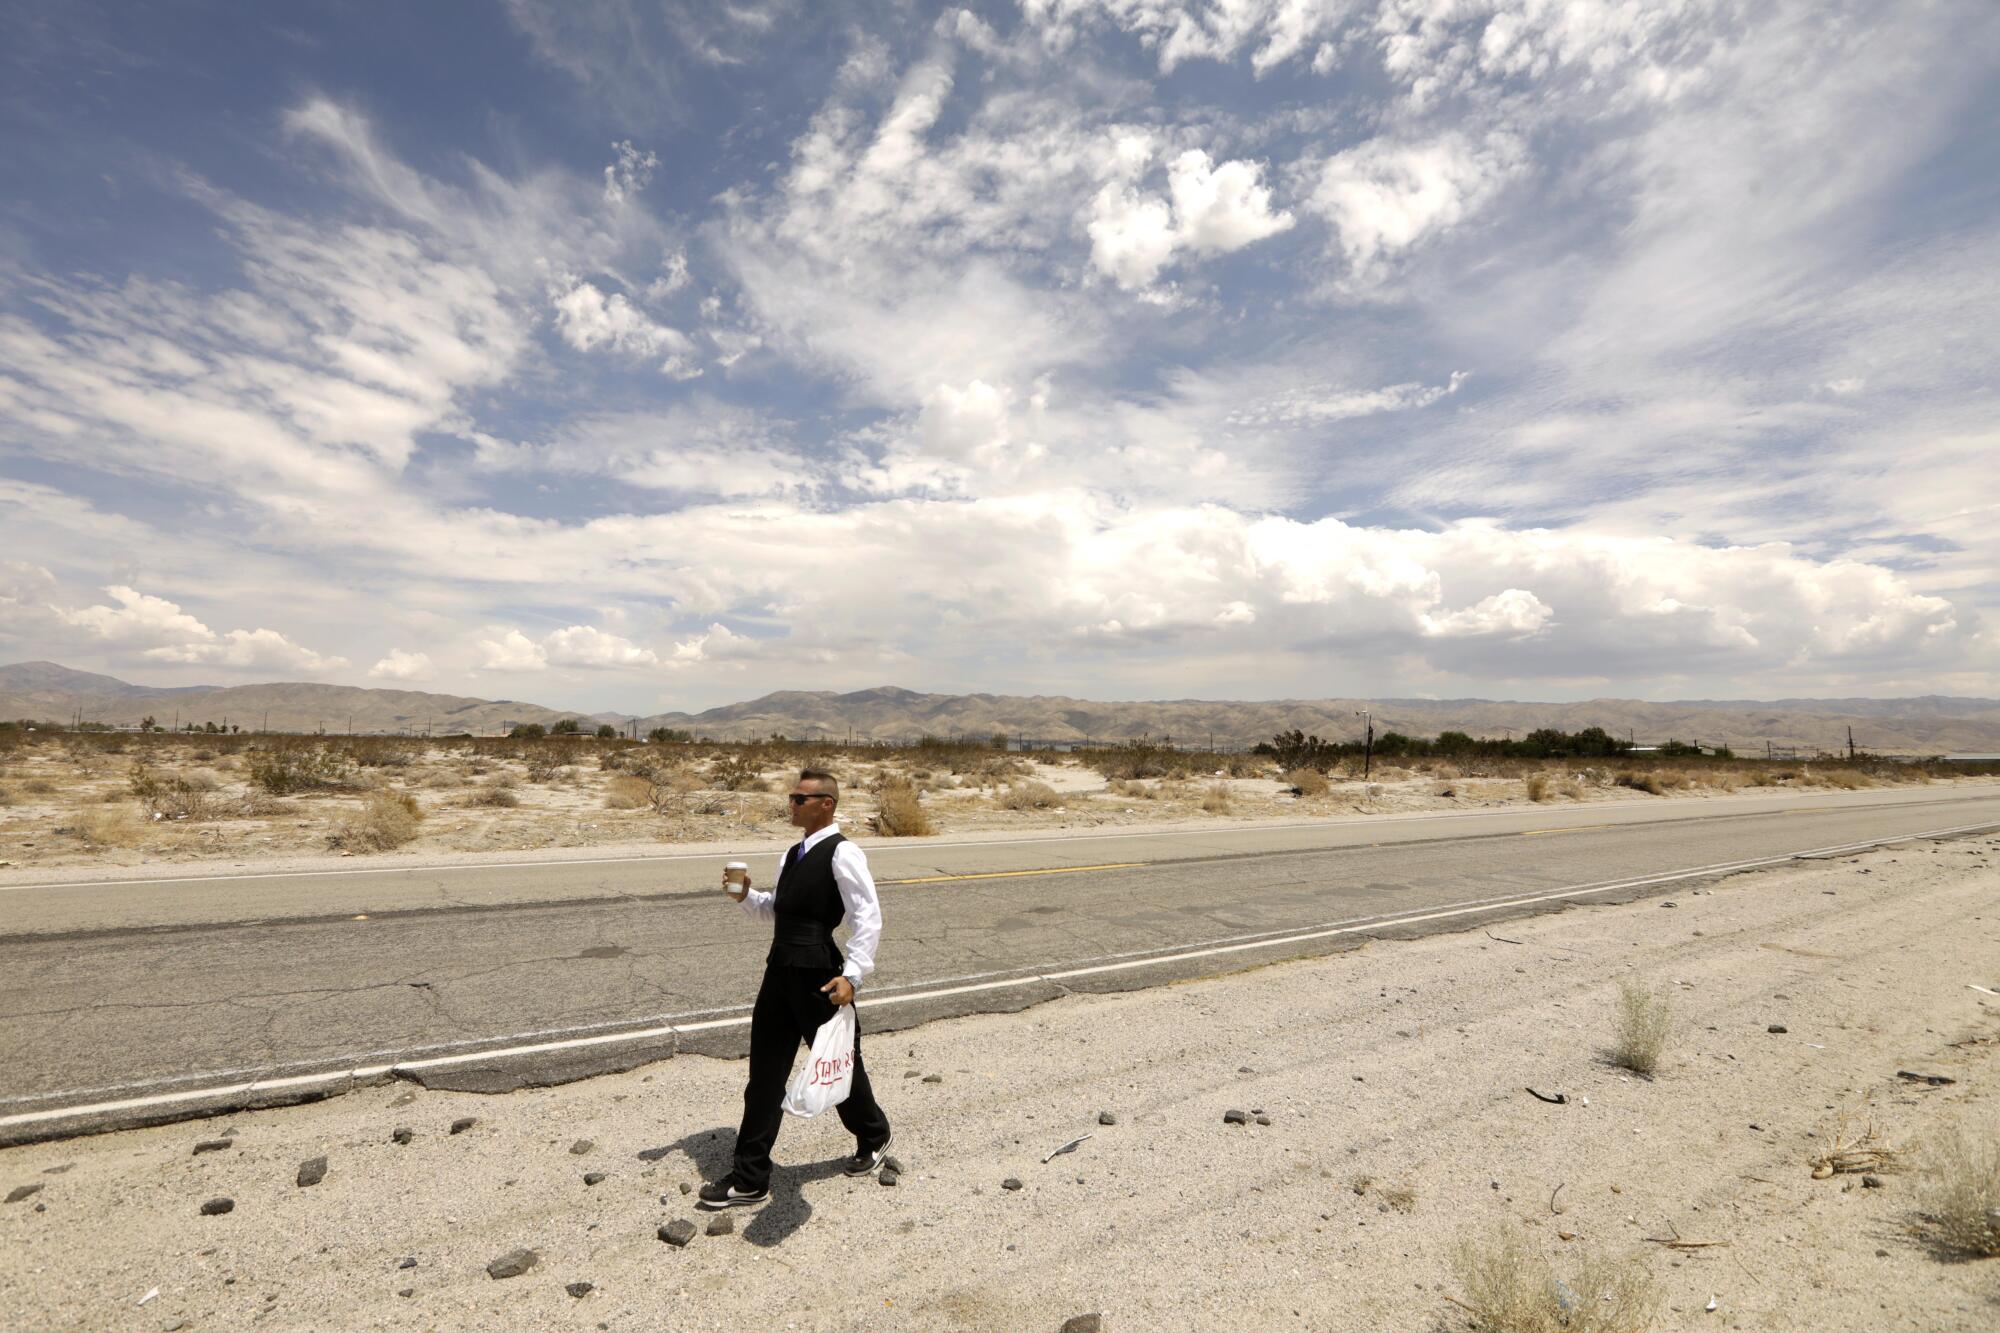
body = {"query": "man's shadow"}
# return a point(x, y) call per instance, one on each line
point(713, 1152)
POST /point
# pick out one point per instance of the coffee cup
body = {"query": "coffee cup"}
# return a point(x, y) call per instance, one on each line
point(737, 875)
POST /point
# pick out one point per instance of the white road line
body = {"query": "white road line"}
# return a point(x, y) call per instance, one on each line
point(1844, 798)
point(1090, 967)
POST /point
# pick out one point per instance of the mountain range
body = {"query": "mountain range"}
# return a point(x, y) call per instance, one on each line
point(1929, 724)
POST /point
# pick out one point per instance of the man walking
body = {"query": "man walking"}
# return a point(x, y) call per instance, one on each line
point(821, 879)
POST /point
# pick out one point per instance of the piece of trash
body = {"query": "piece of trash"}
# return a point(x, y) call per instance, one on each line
point(149, 1295)
point(1067, 1147)
point(1935, 1080)
point(1982, 990)
point(1710, 1307)
point(1559, 1099)
point(1584, 1100)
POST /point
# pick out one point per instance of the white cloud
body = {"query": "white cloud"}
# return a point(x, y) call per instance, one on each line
point(1218, 209)
point(585, 646)
point(588, 319)
point(247, 650)
point(673, 276)
point(1132, 235)
point(139, 620)
point(1215, 210)
point(160, 630)
point(717, 644)
point(399, 665)
point(1386, 197)
point(1512, 611)
point(512, 651)
point(629, 173)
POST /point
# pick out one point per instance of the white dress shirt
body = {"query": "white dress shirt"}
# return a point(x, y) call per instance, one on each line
point(857, 893)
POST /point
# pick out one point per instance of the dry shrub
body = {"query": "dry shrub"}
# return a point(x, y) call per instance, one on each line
point(1029, 796)
point(106, 827)
point(440, 779)
point(1645, 1021)
point(1309, 781)
point(171, 796)
point(1958, 1192)
point(1132, 790)
point(1846, 779)
point(1216, 800)
point(628, 791)
point(899, 811)
point(1247, 766)
point(737, 774)
point(290, 766)
point(1448, 790)
point(1511, 1287)
point(254, 805)
point(1446, 772)
point(39, 787)
point(6, 796)
point(498, 795)
point(1539, 786)
point(386, 820)
point(1645, 782)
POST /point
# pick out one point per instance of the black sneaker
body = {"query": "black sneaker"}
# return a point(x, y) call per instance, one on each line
point(866, 1161)
point(719, 1194)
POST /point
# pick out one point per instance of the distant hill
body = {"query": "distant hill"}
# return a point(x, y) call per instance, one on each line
point(1932, 724)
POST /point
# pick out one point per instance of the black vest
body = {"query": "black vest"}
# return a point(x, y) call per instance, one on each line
point(808, 908)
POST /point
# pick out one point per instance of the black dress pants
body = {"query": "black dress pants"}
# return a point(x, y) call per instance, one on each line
point(789, 1010)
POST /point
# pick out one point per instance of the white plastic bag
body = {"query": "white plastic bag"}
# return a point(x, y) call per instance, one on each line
point(828, 1073)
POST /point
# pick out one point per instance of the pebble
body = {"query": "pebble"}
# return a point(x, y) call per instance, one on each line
point(1871, 1182)
point(1235, 1118)
point(211, 1145)
point(888, 1177)
point(513, 1263)
point(463, 1123)
point(677, 1232)
point(407, 1261)
point(721, 1225)
point(312, 1171)
point(685, 1189)
point(933, 1078)
point(1106, 1118)
point(1263, 1120)
point(1011, 1183)
point(20, 1192)
point(579, 1289)
point(407, 1292)
point(1777, 1027)
point(1083, 1323)
point(402, 1135)
point(592, 1177)
point(893, 1164)
point(217, 1207)
point(580, 1147)
point(405, 1099)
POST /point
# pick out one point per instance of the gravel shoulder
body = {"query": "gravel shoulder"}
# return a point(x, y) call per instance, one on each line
point(1393, 1077)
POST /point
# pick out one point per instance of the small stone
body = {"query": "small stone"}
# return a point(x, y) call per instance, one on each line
point(888, 1177)
point(909, 1073)
point(407, 1292)
point(593, 1177)
point(1871, 1182)
point(678, 1232)
point(20, 1192)
point(407, 1261)
point(933, 1078)
point(721, 1225)
point(580, 1147)
point(1245, 1069)
point(1106, 1118)
point(57, 1170)
point(1881, 1254)
point(217, 1207)
point(1235, 1117)
point(1777, 1027)
point(211, 1145)
point(173, 1326)
point(1083, 1323)
point(463, 1123)
point(405, 1099)
point(312, 1171)
point(402, 1135)
point(685, 1189)
point(893, 1164)
point(579, 1289)
point(1263, 1120)
point(513, 1263)
point(1011, 1183)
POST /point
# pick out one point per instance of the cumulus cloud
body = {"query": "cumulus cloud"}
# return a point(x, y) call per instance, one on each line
point(630, 172)
point(402, 666)
point(259, 649)
point(572, 646)
point(1386, 197)
point(588, 319)
point(139, 619)
point(717, 644)
point(512, 651)
point(1215, 210)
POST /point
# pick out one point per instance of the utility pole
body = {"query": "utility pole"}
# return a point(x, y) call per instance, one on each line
point(1368, 745)
point(1850, 744)
point(267, 721)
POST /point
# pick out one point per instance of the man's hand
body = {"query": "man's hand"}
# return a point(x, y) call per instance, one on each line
point(739, 894)
point(840, 990)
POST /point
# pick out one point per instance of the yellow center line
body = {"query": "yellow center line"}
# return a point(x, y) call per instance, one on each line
point(1580, 828)
point(1016, 874)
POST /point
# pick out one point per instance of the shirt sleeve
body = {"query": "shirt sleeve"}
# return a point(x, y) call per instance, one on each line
point(864, 909)
point(762, 904)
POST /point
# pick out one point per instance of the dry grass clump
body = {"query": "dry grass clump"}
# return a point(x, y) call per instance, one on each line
point(1029, 796)
point(736, 774)
point(498, 795)
point(1645, 1021)
point(1309, 781)
point(1132, 790)
point(1540, 786)
point(6, 795)
point(114, 826)
point(1247, 766)
point(1216, 800)
point(386, 820)
point(172, 796)
point(900, 812)
point(1847, 1151)
point(1511, 1287)
point(292, 766)
point(1846, 779)
point(628, 791)
point(1959, 1192)
point(1646, 782)
point(1447, 790)
point(39, 787)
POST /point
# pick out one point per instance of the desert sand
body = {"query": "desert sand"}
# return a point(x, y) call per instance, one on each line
point(1394, 1078)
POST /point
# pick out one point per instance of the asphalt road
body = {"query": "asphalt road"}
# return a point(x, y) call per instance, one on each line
point(125, 1002)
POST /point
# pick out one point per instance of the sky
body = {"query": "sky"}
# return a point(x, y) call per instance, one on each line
point(653, 354)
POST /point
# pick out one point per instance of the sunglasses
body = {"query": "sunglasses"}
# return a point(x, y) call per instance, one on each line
point(801, 797)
